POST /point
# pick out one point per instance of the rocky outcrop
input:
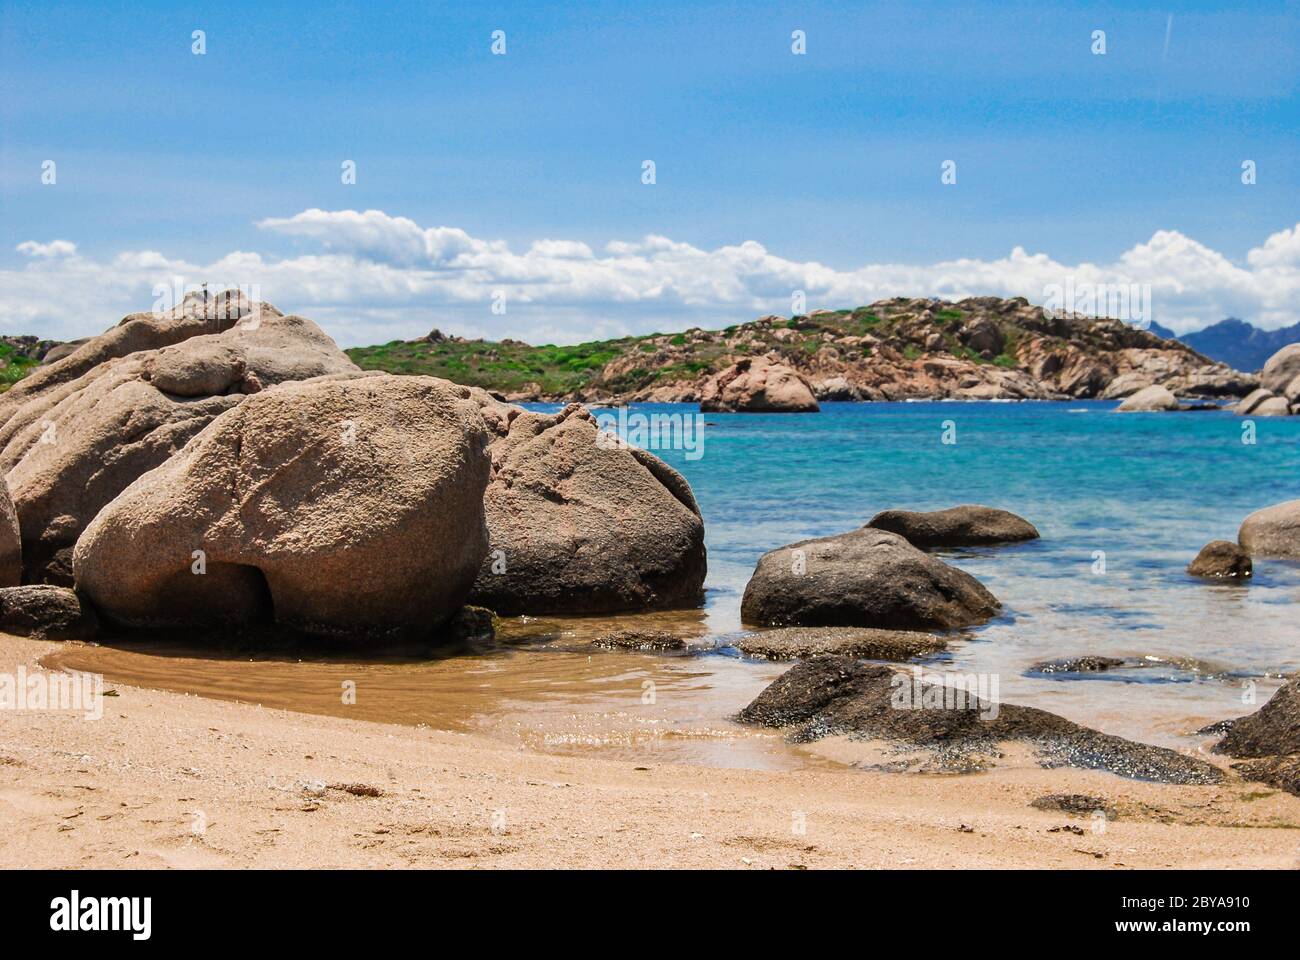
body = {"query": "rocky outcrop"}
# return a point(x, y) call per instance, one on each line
point(581, 523)
point(1149, 400)
point(1272, 532)
point(76, 441)
point(864, 578)
point(1221, 558)
point(1281, 374)
point(45, 612)
point(788, 643)
point(830, 695)
point(11, 544)
point(964, 526)
point(757, 385)
point(348, 508)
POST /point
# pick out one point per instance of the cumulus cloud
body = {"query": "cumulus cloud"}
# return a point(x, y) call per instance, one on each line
point(373, 277)
point(55, 248)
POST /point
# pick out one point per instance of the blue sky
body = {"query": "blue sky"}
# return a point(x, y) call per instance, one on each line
point(831, 158)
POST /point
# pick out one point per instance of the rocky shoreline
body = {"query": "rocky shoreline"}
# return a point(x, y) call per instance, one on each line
point(227, 467)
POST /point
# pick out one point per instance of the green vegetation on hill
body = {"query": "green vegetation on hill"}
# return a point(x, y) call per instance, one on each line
point(14, 365)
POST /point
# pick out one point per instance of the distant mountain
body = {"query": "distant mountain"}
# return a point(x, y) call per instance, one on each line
point(1239, 344)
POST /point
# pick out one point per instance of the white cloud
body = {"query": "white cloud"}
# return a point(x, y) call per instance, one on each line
point(375, 277)
point(55, 248)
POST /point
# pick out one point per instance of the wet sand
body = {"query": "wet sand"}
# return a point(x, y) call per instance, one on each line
point(172, 779)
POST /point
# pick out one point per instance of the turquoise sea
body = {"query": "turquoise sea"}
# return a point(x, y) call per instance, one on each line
point(1147, 489)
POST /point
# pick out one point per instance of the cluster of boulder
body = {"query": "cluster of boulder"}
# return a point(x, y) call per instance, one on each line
point(225, 465)
point(1279, 390)
point(1272, 533)
point(1278, 393)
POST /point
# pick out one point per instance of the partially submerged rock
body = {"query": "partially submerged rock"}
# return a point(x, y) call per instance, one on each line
point(46, 612)
point(864, 578)
point(1221, 558)
point(964, 526)
point(582, 524)
point(787, 643)
point(833, 695)
point(1272, 532)
point(1150, 400)
point(346, 508)
point(1084, 664)
point(640, 640)
point(1271, 730)
point(1282, 772)
point(757, 385)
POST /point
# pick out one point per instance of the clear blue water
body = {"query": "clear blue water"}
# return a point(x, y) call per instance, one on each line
point(1147, 489)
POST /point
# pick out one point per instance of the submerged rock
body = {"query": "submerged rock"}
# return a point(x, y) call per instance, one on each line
point(1084, 664)
point(757, 385)
point(640, 640)
point(1272, 532)
point(1150, 400)
point(864, 578)
point(1221, 558)
point(787, 643)
point(833, 695)
point(582, 525)
point(45, 612)
point(964, 526)
point(345, 508)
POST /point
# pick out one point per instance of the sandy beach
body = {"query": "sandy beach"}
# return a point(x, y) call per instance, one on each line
point(173, 780)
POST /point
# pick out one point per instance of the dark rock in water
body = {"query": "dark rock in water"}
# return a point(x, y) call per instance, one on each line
point(1221, 558)
point(640, 640)
point(864, 578)
point(1079, 803)
point(46, 613)
point(837, 695)
point(1281, 772)
point(1085, 664)
point(1271, 730)
point(787, 643)
point(1218, 728)
point(470, 623)
point(969, 525)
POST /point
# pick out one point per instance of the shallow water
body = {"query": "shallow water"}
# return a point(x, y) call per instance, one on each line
point(1147, 489)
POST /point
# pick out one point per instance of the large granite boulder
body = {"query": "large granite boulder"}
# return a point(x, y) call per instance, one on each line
point(968, 525)
point(1272, 407)
point(76, 444)
point(1152, 399)
point(1272, 532)
point(346, 507)
point(757, 385)
point(11, 544)
point(1281, 373)
point(864, 578)
point(581, 523)
point(1251, 402)
point(1219, 559)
